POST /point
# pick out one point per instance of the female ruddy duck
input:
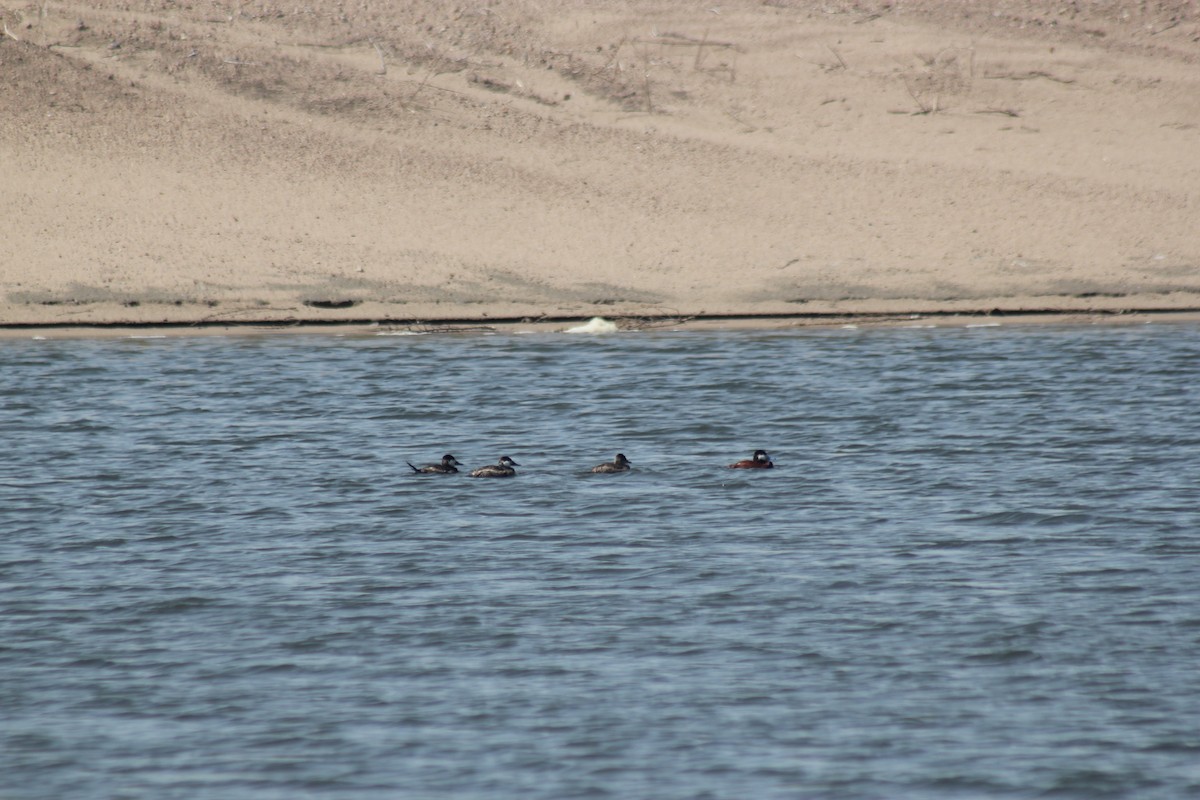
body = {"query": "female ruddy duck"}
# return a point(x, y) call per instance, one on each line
point(760, 461)
point(618, 464)
point(447, 466)
point(501, 469)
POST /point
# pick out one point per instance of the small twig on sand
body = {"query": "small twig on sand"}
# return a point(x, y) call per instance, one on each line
point(700, 51)
point(382, 62)
point(924, 107)
point(233, 312)
point(749, 128)
point(10, 34)
point(421, 85)
point(838, 56)
point(1007, 112)
point(657, 321)
point(646, 80)
point(1025, 76)
point(427, 327)
point(681, 40)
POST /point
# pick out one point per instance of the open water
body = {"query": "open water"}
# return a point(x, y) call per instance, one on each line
point(974, 573)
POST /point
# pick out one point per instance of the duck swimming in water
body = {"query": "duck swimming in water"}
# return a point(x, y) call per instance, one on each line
point(760, 461)
point(501, 469)
point(618, 464)
point(445, 467)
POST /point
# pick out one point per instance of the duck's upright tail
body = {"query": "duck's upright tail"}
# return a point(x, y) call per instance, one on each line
point(414, 469)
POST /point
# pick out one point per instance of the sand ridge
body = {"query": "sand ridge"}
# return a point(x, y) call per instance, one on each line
point(232, 161)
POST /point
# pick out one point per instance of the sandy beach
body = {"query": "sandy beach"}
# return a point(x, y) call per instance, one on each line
point(429, 161)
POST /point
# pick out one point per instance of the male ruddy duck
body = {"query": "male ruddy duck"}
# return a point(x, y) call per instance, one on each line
point(501, 469)
point(618, 464)
point(760, 461)
point(447, 466)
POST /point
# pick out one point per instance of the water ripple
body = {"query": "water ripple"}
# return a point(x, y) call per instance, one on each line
point(970, 573)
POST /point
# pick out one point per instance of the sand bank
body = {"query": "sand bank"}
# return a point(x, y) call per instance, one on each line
point(429, 162)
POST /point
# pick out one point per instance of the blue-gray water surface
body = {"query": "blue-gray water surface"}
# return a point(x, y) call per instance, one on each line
point(974, 572)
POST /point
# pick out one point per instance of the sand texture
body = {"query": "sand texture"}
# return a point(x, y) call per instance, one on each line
point(242, 160)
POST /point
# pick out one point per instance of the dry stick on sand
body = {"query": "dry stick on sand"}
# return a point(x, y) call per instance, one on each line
point(1007, 112)
point(10, 34)
point(749, 128)
point(424, 80)
point(838, 56)
point(921, 104)
point(646, 79)
point(700, 51)
point(432, 72)
point(656, 321)
point(605, 69)
point(382, 62)
point(1026, 76)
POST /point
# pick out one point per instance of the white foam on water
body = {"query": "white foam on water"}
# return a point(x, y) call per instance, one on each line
point(594, 325)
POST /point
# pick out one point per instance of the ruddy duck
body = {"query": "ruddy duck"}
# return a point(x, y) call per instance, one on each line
point(447, 466)
point(501, 469)
point(760, 461)
point(618, 464)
